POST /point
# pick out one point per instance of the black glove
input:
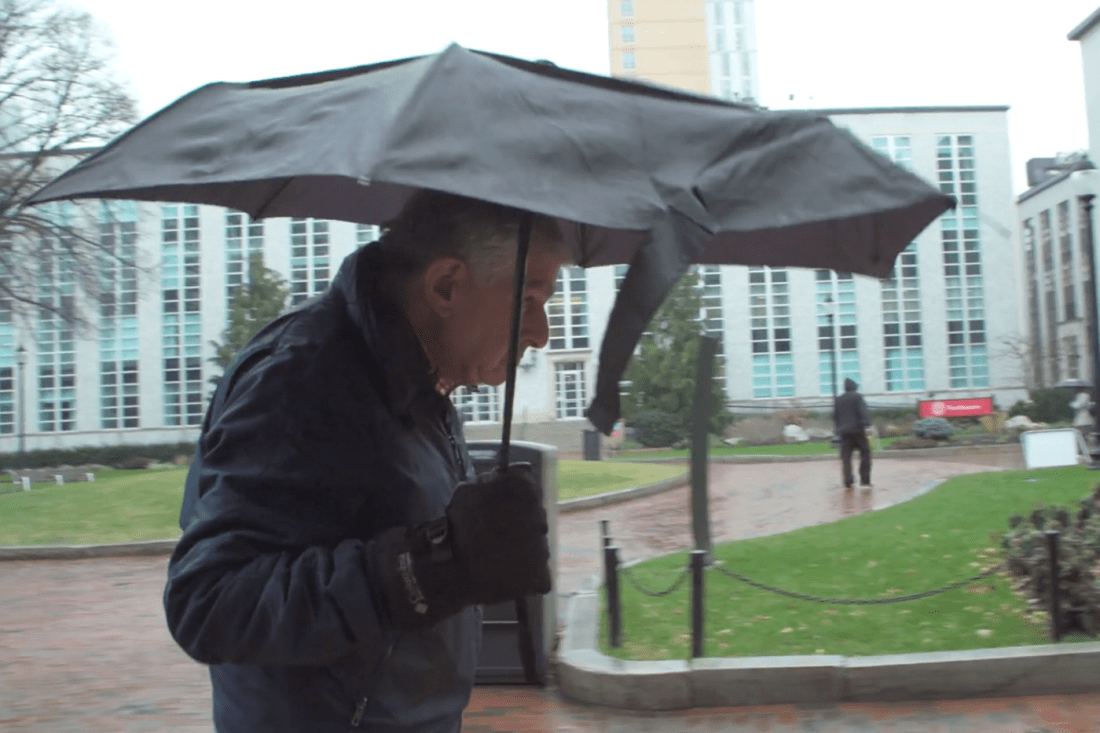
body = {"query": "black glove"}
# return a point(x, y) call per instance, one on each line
point(491, 546)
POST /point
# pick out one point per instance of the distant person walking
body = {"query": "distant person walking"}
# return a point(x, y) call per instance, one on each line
point(852, 418)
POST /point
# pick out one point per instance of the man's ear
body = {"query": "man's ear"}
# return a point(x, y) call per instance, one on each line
point(442, 283)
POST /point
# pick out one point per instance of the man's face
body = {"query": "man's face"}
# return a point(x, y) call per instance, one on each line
point(476, 333)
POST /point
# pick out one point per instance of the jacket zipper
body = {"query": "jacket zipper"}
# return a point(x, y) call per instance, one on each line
point(360, 708)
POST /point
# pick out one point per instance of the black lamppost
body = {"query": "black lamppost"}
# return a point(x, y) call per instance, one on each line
point(830, 311)
point(21, 359)
point(1089, 246)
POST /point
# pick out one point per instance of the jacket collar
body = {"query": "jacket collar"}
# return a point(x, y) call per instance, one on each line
point(399, 366)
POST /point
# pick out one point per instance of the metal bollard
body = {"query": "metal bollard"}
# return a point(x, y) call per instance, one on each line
point(26, 481)
point(90, 477)
point(605, 530)
point(1055, 611)
point(59, 479)
point(698, 564)
point(614, 606)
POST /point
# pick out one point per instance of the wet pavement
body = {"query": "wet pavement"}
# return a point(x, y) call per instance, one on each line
point(83, 645)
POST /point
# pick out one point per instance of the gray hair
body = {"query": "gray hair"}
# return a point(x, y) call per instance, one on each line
point(434, 224)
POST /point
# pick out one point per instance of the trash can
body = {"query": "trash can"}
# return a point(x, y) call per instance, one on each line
point(500, 662)
point(591, 445)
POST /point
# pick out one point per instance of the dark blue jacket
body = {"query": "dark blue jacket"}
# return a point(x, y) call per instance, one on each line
point(326, 431)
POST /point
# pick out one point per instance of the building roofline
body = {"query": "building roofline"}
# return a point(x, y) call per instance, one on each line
point(1053, 181)
point(904, 110)
point(1084, 26)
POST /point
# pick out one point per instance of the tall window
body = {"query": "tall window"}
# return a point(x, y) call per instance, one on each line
point(620, 275)
point(626, 8)
point(1073, 358)
point(770, 314)
point(710, 286)
point(118, 324)
point(309, 258)
point(181, 318)
point(626, 33)
point(901, 325)
point(1088, 287)
point(1033, 305)
point(7, 368)
point(567, 310)
point(629, 60)
point(836, 337)
point(1050, 295)
point(365, 234)
point(56, 352)
point(477, 405)
point(1065, 241)
point(243, 238)
point(570, 389)
point(898, 148)
point(962, 264)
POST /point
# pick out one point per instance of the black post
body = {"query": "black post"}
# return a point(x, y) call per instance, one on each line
point(614, 606)
point(1094, 326)
point(700, 431)
point(1055, 612)
point(21, 360)
point(698, 563)
point(605, 530)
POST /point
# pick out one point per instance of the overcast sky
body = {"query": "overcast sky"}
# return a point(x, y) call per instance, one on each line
point(844, 53)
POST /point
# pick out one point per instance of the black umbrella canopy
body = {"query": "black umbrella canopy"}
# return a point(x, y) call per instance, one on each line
point(636, 174)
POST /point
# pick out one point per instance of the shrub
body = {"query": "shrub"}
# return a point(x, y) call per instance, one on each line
point(904, 443)
point(936, 428)
point(1048, 404)
point(112, 455)
point(658, 429)
point(1028, 560)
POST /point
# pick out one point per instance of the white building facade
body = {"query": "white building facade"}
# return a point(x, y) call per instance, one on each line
point(1056, 235)
point(142, 374)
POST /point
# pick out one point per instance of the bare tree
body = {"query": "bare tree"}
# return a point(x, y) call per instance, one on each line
point(1020, 349)
point(59, 98)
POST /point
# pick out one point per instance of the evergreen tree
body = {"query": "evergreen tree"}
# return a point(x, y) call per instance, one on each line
point(255, 304)
point(662, 374)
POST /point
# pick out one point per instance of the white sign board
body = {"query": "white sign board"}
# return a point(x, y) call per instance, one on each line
point(1046, 448)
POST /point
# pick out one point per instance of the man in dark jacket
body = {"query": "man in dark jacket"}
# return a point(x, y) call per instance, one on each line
point(852, 418)
point(336, 542)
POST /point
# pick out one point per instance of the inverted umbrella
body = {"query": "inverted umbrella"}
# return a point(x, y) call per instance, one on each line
point(634, 174)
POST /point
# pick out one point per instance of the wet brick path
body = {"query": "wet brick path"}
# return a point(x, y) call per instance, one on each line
point(84, 649)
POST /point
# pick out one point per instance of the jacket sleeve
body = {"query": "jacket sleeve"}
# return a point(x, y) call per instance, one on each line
point(864, 413)
point(263, 573)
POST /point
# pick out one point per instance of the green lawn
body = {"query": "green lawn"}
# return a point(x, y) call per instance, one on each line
point(119, 506)
point(812, 448)
point(587, 478)
point(124, 506)
point(931, 541)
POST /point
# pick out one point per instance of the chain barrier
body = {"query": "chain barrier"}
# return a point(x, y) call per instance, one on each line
point(858, 601)
point(654, 593)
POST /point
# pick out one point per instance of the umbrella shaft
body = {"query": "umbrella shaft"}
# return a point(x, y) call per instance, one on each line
point(523, 245)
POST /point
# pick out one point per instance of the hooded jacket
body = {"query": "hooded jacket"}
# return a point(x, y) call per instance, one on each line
point(850, 414)
point(326, 431)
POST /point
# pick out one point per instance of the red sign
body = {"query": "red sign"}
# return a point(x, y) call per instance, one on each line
point(957, 408)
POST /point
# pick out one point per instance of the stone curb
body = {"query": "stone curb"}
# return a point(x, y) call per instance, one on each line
point(960, 450)
point(165, 547)
point(586, 675)
point(617, 497)
point(78, 552)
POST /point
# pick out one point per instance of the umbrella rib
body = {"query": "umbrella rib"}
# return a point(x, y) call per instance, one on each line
point(262, 211)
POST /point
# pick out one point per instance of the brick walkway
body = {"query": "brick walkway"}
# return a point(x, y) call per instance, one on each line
point(83, 646)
